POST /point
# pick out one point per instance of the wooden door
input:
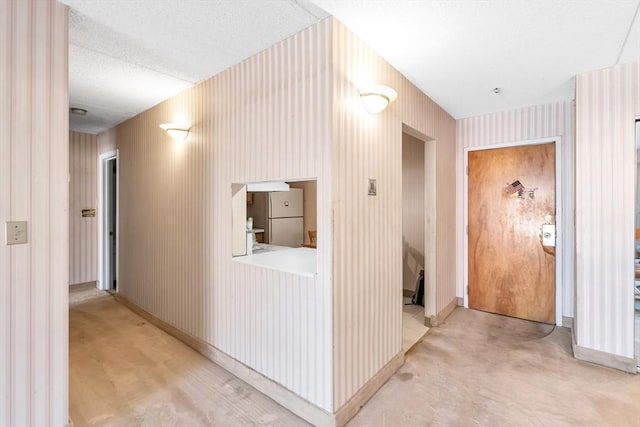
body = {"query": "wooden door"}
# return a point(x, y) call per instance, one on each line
point(510, 272)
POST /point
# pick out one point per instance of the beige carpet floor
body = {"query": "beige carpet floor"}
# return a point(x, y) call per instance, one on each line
point(413, 328)
point(124, 371)
point(476, 369)
point(79, 294)
point(480, 369)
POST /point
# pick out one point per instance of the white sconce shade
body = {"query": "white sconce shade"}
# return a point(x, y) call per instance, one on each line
point(375, 98)
point(177, 132)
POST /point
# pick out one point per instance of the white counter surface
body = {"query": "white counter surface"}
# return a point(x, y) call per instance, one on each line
point(300, 261)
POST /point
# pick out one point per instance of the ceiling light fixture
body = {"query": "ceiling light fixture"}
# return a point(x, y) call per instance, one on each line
point(177, 132)
point(78, 111)
point(375, 98)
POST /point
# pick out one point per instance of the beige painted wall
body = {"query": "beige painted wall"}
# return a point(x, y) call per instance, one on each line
point(607, 105)
point(539, 121)
point(267, 118)
point(413, 209)
point(107, 141)
point(367, 288)
point(34, 169)
point(83, 232)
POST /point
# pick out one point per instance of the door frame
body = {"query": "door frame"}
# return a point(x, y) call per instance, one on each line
point(430, 219)
point(559, 215)
point(636, 330)
point(103, 252)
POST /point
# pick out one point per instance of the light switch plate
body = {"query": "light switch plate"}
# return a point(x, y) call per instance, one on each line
point(15, 232)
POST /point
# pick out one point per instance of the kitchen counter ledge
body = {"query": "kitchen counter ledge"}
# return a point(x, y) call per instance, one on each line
point(300, 261)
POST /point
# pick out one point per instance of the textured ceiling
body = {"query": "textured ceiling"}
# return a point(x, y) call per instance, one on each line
point(457, 52)
point(127, 55)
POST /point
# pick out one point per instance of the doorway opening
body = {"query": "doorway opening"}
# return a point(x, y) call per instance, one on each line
point(108, 221)
point(418, 235)
point(513, 260)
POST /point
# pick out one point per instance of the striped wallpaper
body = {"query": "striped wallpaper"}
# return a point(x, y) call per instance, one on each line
point(83, 232)
point(266, 118)
point(607, 104)
point(33, 188)
point(420, 113)
point(367, 269)
point(290, 112)
point(557, 119)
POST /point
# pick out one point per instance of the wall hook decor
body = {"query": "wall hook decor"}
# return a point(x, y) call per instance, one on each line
point(518, 191)
point(513, 188)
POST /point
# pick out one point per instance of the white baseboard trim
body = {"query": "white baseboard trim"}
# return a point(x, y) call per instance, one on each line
point(73, 285)
point(285, 397)
point(439, 318)
point(349, 409)
point(609, 360)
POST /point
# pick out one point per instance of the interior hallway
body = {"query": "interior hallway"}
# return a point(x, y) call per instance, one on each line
point(475, 369)
point(124, 371)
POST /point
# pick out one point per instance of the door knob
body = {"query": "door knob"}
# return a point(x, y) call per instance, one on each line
point(549, 235)
point(548, 238)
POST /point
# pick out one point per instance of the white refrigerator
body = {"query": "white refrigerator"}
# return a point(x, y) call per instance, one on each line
point(285, 218)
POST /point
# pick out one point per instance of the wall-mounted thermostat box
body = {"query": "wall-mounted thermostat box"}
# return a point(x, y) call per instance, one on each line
point(15, 232)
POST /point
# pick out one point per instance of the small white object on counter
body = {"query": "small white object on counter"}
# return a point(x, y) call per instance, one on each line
point(301, 261)
point(250, 237)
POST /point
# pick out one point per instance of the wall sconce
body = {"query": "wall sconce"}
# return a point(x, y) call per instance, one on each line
point(375, 98)
point(177, 132)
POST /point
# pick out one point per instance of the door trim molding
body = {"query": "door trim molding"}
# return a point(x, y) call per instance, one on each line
point(102, 158)
point(559, 286)
point(430, 219)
